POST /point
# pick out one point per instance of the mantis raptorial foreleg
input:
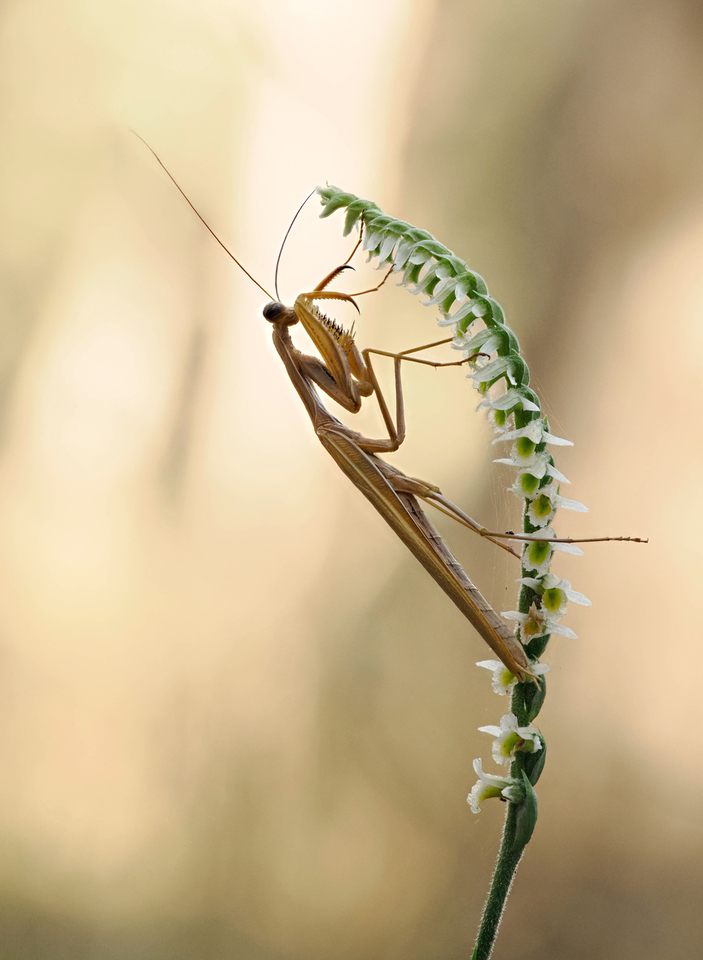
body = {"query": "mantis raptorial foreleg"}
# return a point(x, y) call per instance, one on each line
point(347, 266)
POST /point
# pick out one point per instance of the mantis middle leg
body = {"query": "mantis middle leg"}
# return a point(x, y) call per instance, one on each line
point(396, 431)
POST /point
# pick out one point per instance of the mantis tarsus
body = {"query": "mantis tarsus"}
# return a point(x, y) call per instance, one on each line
point(346, 375)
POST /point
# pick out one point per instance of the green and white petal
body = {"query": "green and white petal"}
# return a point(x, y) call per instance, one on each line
point(548, 533)
point(461, 290)
point(532, 432)
point(556, 441)
point(552, 585)
point(535, 583)
point(388, 244)
point(509, 400)
point(509, 739)
point(573, 595)
point(541, 510)
point(485, 341)
point(490, 371)
point(536, 461)
point(446, 321)
point(498, 419)
point(560, 629)
point(537, 623)
point(446, 286)
point(537, 555)
point(531, 625)
point(491, 786)
point(554, 600)
point(467, 308)
point(561, 503)
point(572, 548)
point(536, 551)
point(556, 474)
point(552, 591)
point(544, 506)
point(554, 594)
point(526, 485)
point(537, 432)
point(502, 681)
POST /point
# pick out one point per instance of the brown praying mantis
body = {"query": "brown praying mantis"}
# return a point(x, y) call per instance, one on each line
point(346, 375)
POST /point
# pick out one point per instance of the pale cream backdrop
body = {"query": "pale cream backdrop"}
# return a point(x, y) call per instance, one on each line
point(237, 720)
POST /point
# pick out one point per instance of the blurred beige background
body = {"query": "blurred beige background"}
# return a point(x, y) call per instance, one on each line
point(237, 720)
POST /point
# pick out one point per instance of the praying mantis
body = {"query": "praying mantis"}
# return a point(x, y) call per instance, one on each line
point(346, 375)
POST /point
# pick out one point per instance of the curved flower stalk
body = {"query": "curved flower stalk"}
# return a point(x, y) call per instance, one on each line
point(501, 376)
point(498, 371)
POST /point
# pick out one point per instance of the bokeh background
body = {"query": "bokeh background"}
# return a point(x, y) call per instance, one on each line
point(237, 719)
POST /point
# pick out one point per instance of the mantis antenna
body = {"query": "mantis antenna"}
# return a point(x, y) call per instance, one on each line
point(203, 220)
point(283, 243)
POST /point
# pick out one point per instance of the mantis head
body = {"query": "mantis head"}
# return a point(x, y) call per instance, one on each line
point(279, 314)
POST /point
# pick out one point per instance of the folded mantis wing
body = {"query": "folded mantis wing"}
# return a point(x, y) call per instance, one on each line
point(403, 514)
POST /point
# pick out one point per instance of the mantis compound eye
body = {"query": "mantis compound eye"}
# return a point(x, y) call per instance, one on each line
point(273, 311)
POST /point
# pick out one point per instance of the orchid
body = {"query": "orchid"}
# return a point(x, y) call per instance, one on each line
point(501, 377)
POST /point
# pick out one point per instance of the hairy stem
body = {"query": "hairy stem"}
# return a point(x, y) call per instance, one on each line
point(506, 865)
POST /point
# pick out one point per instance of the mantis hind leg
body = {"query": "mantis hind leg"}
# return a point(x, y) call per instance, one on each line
point(433, 495)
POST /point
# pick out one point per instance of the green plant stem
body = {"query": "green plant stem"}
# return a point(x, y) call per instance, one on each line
point(508, 855)
point(506, 865)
